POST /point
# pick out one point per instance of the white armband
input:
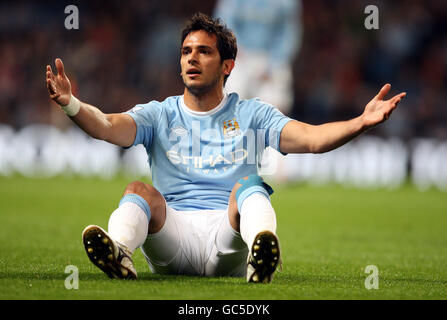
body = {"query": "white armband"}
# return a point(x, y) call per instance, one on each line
point(72, 108)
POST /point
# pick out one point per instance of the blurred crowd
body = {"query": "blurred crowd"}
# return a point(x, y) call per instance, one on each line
point(126, 53)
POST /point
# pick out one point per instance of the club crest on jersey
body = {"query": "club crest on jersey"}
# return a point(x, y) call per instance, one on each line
point(231, 128)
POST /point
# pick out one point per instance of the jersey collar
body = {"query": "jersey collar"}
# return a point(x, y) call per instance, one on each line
point(204, 113)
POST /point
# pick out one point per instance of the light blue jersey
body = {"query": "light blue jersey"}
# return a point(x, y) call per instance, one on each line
point(196, 158)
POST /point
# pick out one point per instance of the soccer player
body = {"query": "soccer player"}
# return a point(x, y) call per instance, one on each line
point(208, 212)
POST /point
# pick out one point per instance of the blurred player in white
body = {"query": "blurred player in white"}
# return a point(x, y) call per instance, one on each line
point(208, 212)
point(269, 34)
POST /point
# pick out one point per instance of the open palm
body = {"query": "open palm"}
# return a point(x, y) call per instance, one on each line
point(59, 86)
point(378, 110)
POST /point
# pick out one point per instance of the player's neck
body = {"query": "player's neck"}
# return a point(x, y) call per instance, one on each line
point(204, 102)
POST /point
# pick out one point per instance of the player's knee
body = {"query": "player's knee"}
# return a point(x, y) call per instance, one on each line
point(142, 189)
point(136, 187)
point(152, 196)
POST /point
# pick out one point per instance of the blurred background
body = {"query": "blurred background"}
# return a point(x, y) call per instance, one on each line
point(314, 60)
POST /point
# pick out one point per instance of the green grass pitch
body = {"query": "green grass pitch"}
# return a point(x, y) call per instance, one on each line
point(328, 236)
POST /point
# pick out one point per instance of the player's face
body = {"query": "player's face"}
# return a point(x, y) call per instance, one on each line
point(202, 68)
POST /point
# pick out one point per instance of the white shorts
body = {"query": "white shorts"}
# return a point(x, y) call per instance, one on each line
point(196, 243)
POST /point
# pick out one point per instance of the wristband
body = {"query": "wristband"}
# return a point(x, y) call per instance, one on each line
point(72, 108)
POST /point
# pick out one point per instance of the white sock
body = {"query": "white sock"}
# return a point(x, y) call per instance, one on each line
point(129, 225)
point(257, 215)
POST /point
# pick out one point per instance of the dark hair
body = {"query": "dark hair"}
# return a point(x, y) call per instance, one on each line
point(226, 41)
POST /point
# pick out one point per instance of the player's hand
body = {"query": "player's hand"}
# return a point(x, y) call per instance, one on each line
point(378, 110)
point(59, 86)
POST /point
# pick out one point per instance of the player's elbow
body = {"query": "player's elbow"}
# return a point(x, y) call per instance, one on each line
point(318, 148)
point(314, 148)
point(316, 143)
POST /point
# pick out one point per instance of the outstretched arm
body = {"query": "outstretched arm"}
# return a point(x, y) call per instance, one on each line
point(300, 137)
point(119, 129)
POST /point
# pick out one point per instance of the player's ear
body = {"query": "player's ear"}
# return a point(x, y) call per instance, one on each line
point(228, 66)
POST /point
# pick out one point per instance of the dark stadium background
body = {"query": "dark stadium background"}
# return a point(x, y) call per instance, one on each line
point(127, 52)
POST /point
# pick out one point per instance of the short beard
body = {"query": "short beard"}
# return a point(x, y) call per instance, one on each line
point(201, 90)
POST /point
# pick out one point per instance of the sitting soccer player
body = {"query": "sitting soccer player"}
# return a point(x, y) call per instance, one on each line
point(208, 211)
